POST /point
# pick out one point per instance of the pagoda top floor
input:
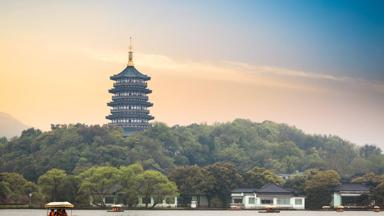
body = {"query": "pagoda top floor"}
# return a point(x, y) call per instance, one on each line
point(130, 72)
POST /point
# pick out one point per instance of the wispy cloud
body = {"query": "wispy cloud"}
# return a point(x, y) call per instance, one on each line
point(238, 72)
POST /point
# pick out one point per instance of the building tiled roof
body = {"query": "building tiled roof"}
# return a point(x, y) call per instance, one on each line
point(130, 72)
point(352, 187)
point(275, 189)
point(266, 189)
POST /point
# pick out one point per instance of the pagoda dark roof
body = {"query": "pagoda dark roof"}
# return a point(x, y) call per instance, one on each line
point(352, 187)
point(130, 72)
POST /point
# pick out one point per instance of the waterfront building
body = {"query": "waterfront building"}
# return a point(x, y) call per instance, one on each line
point(111, 199)
point(351, 195)
point(168, 202)
point(130, 105)
point(268, 196)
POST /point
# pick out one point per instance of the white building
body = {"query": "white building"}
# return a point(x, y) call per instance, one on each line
point(351, 196)
point(268, 196)
point(169, 202)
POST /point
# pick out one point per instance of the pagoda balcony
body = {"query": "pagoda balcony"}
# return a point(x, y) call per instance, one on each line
point(129, 102)
point(144, 98)
point(130, 88)
point(131, 111)
point(130, 115)
point(131, 125)
point(140, 85)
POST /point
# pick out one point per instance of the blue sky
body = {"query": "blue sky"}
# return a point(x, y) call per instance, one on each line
point(345, 38)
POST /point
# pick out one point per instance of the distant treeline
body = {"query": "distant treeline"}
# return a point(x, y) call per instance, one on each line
point(243, 144)
point(127, 183)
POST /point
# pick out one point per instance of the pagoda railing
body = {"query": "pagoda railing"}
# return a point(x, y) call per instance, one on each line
point(129, 115)
point(130, 111)
point(129, 88)
point(131, 125)
point(125, 101)
point(114, 97)
point(141, 85)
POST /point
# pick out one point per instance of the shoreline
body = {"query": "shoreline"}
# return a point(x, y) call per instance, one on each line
point(190, 209)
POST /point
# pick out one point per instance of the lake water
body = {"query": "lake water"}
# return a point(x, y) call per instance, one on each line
point(27, 212)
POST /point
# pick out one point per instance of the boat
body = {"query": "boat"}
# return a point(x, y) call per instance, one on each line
point(376, 209)
point(269, 209)
point(339, 209)
point(116, 208)
point(59, 206)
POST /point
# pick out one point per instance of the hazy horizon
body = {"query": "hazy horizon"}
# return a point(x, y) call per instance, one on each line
point(317, 65)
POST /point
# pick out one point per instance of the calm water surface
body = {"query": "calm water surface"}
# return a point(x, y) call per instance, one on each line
point(14, 212)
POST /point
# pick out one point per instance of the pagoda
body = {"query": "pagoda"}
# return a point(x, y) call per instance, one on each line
point(129, 106)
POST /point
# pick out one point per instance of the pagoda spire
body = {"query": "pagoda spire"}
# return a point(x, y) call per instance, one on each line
point(130, 53)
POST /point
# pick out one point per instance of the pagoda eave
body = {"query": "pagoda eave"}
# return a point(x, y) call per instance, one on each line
point(114, 116)
point(130, 102)
point(126, 89)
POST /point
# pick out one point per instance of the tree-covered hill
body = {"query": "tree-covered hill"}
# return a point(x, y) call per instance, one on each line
point(246, 144)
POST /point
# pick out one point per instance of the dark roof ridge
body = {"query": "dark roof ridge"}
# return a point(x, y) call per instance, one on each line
point(267, 188)
point(130, 72)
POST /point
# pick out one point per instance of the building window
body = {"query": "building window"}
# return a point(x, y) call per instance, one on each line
point(237, 200)
point(266, 201)
point(298, 202)
point(283, 201)
point(251, 200)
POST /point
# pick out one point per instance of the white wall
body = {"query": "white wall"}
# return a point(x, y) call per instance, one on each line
point(257, 204)
point(163, 204)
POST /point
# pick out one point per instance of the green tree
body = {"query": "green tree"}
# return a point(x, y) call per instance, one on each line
point(319, 186)
point(128, 183)
point(154, 184)
point(69, 190)
point(379, 194)
point(257, 177)
point(49, 183)
point(14, 188)
point(367, 151)
point(192, 181)
point(370, 179)
point(226, 178)
point(98, 182)
point(296, 182)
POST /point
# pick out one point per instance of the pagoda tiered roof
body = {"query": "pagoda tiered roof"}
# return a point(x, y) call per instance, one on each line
point(128, 101)
point(130, 88)
point(130, 72)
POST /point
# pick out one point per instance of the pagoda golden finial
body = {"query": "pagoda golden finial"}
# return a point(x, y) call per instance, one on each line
point(130, 55)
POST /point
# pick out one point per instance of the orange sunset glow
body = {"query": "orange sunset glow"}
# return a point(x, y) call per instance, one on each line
point(56, 60)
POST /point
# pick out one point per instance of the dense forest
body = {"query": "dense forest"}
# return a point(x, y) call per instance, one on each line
point(245, 144)
point(75, 162)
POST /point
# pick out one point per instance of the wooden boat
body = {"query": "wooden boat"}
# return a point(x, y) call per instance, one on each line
point(269, 210)
point(376, 208)
point(59, 206)
point(339, 208)
point(116, 208)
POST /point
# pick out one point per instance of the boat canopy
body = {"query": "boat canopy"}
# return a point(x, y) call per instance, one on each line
point(117, 206)
point(59, 205)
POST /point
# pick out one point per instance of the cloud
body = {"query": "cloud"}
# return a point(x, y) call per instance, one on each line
point(240, 72)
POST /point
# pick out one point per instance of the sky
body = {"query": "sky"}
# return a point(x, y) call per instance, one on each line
point(317, 65)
